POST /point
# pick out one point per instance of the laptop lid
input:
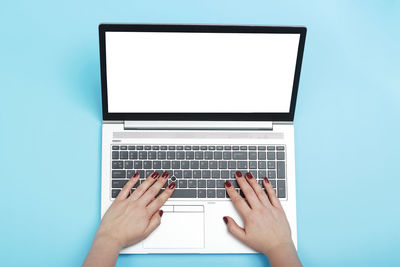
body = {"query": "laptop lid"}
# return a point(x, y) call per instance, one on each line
point(200, 72)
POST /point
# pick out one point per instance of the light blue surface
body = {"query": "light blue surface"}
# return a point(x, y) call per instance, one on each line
point(347, 127)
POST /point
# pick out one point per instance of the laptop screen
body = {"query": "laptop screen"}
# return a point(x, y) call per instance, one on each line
point(200, 72)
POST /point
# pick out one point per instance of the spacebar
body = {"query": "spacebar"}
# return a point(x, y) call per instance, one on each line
point(189, 193)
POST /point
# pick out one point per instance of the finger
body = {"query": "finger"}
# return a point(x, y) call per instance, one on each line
point(239, 203)
point(128, 187)
point(144, 186)
point(271, 193)
point(234, 228)
point(257, 189)
point(249, 193)
point(157, 203)
point(154, 189)
point(155, 221)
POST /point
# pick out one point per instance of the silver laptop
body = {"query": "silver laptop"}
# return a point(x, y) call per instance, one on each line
point(201, 102)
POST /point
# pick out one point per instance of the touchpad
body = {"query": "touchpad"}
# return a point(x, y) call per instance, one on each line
point(181, 227)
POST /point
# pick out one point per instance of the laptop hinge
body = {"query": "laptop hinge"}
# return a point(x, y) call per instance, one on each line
point(198, 125)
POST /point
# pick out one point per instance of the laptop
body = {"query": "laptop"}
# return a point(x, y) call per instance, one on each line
point(201, 102)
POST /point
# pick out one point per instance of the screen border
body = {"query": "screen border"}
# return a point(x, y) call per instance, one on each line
point(249, 116)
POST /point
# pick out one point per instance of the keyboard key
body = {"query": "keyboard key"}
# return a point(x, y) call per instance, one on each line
point(225, 174)
point(117, 165)
point(210, 193)
point(281, 169)
point(188, 147)
point(232, 164)
point(262, 155)
point(254, 173)
point(152, 155)
point(227, 148)
point(227, 155)
point(242, 164)
point(206, 174)
point(184, 164)
point(147, 164)
point(183, 184)
point(161, 155)
point(222, 165)
point(210, 183)
point(252, 155)
point(280, 148)
point(178, 173)
point(179, 147)
point(243, 147)
point(271, 155)
point(138, 164)
point(123, 155)
point(157, 164)
point(212, 164)
point(271, 164)
point(217, 155)
point(171, 155)
point(198, 155)
point(195, 147)
point(129, 164)
point(194, 164)
point(201, 193)
point(187, 174)
point(235, 147)
point(280, 155)
point(208, 155)
point(211, 147)
point(271, 174)
point(156, 147)
point(239, 155)
point(196, 174)
point(262, 164)
point(139, 147)
point(180, 155)
point(281, 189)
point(252, 164)
point(115, 147)
point(123, 147)
point(148, 173)
point(133, 155)
point(261, 147)
point(115, 155)
point(203, 147)
point(171, 147)
point(131, 147)
point(118, 174)
point(215, 174)
point(163, 147)
point(201, 184)
point(115, 192)
point(166, 164)
point(192, 183)
point(203, 164)
point(176, 164)
point(118, 183)
point(130, 173)
point(270, 147)
point(262, 174)
point(190, 155)
point(220, 184)
point(252, 147)
point(184, 193)
point(220, 147)
point(234, 183)
point(221, 193)
point(147, 147)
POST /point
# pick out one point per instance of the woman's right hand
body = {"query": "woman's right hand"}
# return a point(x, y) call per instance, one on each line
point(266, 228)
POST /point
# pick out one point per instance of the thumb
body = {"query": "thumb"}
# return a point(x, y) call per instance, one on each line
point(155, 221)
point(234, 228)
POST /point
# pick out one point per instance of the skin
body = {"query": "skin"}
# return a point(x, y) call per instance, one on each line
point(266, 228)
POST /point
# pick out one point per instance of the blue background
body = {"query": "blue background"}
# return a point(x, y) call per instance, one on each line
point(347, 127)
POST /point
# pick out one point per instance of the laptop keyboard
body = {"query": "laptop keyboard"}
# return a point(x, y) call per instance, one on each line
point(199, 171)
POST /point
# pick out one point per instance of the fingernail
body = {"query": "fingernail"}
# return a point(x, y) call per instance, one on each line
point(136, 175)
point(165, 175)
point(225, 220)
point(266, 180)
point(249, 175)
point(160, 212)
point(154, 175)
point(228, 184)
point(171, 186)
point(238, 174)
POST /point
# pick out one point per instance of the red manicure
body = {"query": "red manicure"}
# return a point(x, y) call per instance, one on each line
point(171, 186)
point(225, 220)
point(154, 175)
point(228, 184)
point(249, 175)
point(165, 175)
point(160, 212)
point(266, 180)
point(136, 175)
point(238, 174)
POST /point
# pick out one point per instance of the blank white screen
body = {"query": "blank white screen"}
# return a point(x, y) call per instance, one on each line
point(200, 72)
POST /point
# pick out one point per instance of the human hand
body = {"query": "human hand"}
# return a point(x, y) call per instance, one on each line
point(131, 218)
point(266, 228)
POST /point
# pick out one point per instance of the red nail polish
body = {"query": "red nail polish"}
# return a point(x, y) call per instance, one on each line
point(228, 184)
point(136, 175)
point(160, 212)
point(154, 175)
point(249, 175)
point(165, 175)
point(238, 174)
point(171, 186)
point(266, 180)
point(225, 220)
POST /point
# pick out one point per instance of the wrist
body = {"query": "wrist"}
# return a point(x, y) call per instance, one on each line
point(103, 239)
point(283, 254)
point(279, 248)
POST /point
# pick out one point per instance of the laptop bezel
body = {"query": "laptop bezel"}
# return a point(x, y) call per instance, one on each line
point(253, 116)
